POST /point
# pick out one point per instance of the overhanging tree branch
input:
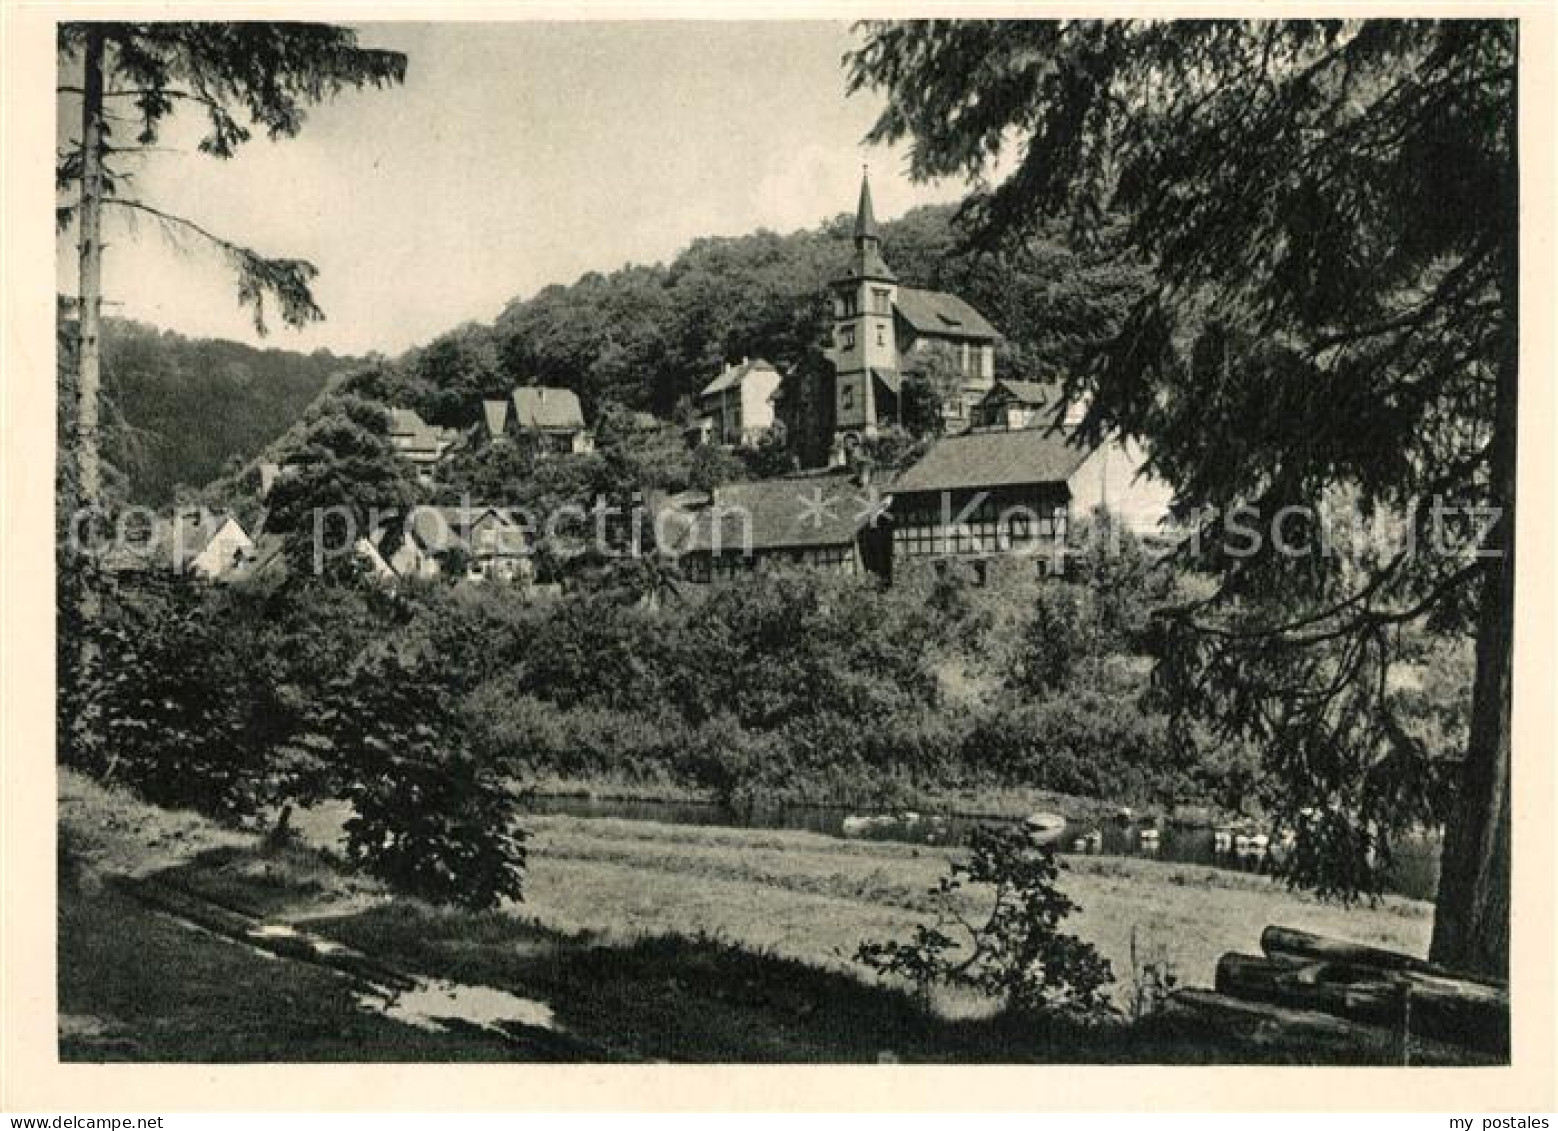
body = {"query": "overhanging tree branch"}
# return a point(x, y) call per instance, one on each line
point(285, 280)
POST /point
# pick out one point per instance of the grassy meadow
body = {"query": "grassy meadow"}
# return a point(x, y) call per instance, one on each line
point(648, 941)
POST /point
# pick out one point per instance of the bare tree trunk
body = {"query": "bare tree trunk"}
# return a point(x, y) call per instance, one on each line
point(89, 485)
point(1471, 915)
point(89, 377)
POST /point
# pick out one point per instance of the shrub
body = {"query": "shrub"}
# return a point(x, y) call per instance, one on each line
point(1018, 953)
point(162, 700)
point(1083, 743)
point(1059, 634)
point(428, 816)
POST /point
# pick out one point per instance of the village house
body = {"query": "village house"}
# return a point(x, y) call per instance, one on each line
point(737, 407)
point(471, 542)
point(883, 330)
point(549, 419)
point(418, 442)
point(827, 520)
point(1015, 492)
point(1026, 404)
point(192, 540)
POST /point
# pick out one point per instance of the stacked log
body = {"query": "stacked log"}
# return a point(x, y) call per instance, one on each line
point(1369, 986)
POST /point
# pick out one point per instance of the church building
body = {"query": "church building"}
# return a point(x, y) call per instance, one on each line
point(883, 330)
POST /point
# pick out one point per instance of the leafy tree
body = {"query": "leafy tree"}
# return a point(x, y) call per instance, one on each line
point(939, 373)
point(428, 817)
point(1329, 211)
point(343, 478)
point(454, 374)
point(771, 455)
point(168, 706)
point(712, 466)
point(920, 403)
point(1059, 634)
point(492, 473)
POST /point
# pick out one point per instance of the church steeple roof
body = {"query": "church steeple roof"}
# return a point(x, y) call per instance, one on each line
point(865, 215)
point(867, 262)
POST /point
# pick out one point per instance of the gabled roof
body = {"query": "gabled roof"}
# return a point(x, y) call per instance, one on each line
point(942, 315)
point(407, 422)
point(495, 414)
point(734, 375)
point(539, 408)
point(414, 433)
point(792, 512)
point(443, 528)
point(1037, 394)
point(996, 459)
point(171, 543)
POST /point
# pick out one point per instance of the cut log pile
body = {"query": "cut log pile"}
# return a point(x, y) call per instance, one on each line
point(1305, 980)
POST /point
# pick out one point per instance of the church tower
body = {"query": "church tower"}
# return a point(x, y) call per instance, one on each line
point(865, 352)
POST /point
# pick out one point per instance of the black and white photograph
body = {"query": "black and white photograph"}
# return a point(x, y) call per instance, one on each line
point(786, 541)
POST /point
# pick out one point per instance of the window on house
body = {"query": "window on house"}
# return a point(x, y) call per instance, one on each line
point(848, 337)
point(847, 398)
point(881, 335)
point(879, 303)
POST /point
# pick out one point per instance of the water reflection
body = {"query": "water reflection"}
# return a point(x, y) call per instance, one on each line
point(1235, 848)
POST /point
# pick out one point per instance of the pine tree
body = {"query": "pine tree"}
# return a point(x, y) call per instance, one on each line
point(1330, 212)
point(241, 76)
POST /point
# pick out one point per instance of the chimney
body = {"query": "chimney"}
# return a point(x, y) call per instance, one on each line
point(268, 473)
point(863, 470)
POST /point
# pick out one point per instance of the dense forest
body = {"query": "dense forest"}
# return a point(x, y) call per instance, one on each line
point(648, 336)
point(182, 410)
point(641, 337)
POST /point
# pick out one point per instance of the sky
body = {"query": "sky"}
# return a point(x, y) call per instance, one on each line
point(515, 156)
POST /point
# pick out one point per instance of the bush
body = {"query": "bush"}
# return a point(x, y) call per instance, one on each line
point(1084, 743)
point(428, 817)
point(1018, 954)
point(162, 700)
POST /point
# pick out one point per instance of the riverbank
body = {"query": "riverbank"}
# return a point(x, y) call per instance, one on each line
point(969, 803)
point(643, 941)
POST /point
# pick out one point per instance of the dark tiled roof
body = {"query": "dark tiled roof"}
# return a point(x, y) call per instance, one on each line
point(867, 263)
point(544, 409)
point(996, 459)
point(865, 214)
point(942, 314)
point(792, 512)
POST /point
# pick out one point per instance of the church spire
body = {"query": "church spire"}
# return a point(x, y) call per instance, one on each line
point(865, 215)
point(868, 262)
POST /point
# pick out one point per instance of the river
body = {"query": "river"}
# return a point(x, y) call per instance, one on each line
point(1415, 874)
